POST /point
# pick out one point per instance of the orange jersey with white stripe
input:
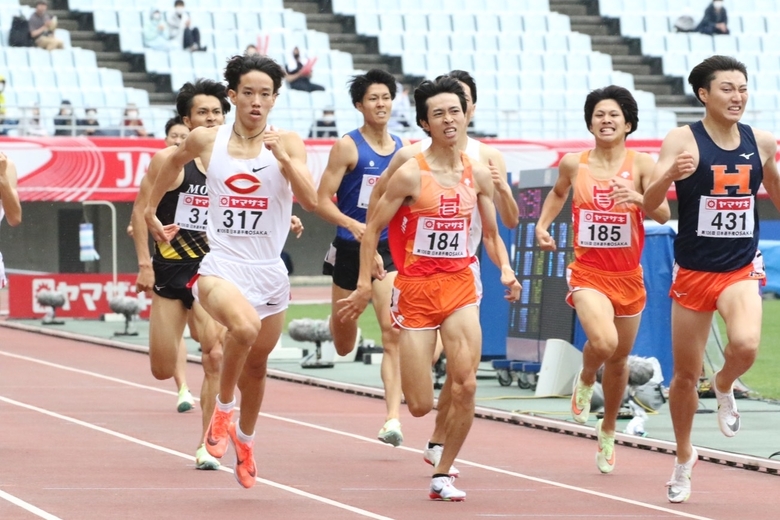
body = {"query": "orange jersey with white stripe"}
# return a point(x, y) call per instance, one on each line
point(607, 236)
point(431, 235)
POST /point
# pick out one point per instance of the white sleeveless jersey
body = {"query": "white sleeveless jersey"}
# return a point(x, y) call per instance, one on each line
point(250, 204)
point(475, 231)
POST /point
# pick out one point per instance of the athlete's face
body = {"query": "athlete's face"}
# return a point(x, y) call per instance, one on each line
point(446, 119)
point(254, 98)
point(206, 111)
point(469, 102)
point(176, 135)
point(727, 96)
point(608, 122)
point(377, 104)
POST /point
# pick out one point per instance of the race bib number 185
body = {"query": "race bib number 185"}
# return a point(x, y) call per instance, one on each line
point(604, 229)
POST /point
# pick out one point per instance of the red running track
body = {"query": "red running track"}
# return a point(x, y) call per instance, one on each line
point(87, 433)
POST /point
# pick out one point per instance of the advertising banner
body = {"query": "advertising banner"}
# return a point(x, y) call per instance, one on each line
point(86, 295)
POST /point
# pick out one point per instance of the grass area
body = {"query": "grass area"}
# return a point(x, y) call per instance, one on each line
point(762, 377)
point(367, 322)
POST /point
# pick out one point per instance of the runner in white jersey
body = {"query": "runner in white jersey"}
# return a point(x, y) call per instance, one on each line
point(252, 173)
point(507, 211)
point(9, 202)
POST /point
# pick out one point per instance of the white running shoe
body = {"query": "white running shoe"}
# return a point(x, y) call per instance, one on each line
point(605, 454)
point(391, 433)
point(432, 457)
point(580, 400)
point(679, 487)
point(728, 416)
point(442, 489)
point(185, 402)
point(204, 460)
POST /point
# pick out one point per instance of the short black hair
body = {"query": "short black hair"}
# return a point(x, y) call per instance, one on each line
point(175, 120)
point(621, 96)
point(428, 89)
point(465, 77)
point(206, 87)
point(702, 74)
point(239, 65)
point(358, 85)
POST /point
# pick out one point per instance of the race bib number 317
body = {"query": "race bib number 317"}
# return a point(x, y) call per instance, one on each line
point(242, 216)
point(726, 217)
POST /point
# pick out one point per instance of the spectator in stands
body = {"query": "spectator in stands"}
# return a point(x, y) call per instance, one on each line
point(325, 126)
point(133, 125)
point(299, 74)
point(250, 50)
point(31, 123)
point(180, 28)
point(90, 125)
point(401, 108)
point(156, 32)
point(715, 19)
point(65, 122)
point(42, 26)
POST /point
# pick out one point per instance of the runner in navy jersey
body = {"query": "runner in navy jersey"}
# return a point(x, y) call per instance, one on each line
point(354, 166)
point(717, 166)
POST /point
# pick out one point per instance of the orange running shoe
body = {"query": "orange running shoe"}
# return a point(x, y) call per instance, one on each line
point(216, 438)
point(245, 469)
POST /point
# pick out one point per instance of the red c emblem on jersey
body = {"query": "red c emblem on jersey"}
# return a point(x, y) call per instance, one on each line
point(601, 198)
point(243, 183)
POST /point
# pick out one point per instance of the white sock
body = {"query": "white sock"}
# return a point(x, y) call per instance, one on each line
point(222, 407)
point(243, 437)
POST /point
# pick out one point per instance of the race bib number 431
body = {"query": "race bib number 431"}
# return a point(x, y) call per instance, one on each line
point(604, 229)
point(242, 216)
point(442, 237)
point(726, 217)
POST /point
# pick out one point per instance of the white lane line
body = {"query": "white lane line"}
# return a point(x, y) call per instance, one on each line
point(27, 506)
point(376, 441)
point(190, 458)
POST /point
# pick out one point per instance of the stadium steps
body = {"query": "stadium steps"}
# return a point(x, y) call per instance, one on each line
point(626, 52)
point(341, 31)
point(106, 47)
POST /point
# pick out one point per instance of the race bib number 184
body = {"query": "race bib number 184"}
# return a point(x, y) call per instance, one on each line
point(442, 237)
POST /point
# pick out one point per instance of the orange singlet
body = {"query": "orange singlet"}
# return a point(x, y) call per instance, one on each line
point(429, 243)
point(608, 240)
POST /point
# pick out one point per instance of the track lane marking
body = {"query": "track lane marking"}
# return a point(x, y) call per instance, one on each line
point(373, 441)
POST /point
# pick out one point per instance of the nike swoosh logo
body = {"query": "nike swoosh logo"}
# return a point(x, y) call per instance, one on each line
point(271, 304)
point(680, 294)
point(747, 156)
point(255, 170)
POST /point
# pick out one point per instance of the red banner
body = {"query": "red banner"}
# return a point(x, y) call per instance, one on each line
point(75, 169)
point(86, 295)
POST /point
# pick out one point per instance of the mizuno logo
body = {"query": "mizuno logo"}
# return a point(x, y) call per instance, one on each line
point(255, 170)
point(747, 156)
point(159, 287)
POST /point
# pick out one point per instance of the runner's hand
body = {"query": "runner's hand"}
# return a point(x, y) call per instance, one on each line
point(544, 239)
point(145, 280)
point(357, 229)
point(159, 232)
point(351, 307)
point(272, 140)
point(378, 269)
point(683, 166)
point(624, 194)
point(296, 226)
point(513, 287)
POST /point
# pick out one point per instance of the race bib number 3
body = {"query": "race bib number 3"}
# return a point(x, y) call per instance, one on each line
point(369, 181)
point(442, 238)
point(242, 216)
point(604, 229)
point(726, 217)
point(192, 212)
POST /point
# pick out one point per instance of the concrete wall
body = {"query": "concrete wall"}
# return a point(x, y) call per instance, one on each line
point(34, 245)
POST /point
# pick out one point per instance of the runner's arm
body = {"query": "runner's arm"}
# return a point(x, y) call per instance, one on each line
point(674, 163)
point(342, 156)
point(294, 168)
point(8, 194)
point(553, 203)
point(768, 148)
point(646, 166)
point(502, 192)
point(399, 158)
